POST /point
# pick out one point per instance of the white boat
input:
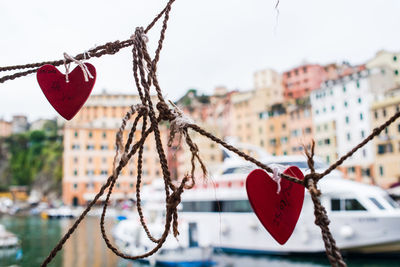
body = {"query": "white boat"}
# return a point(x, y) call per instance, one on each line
point(132, 240)
point(364, 219)
point(7, 239)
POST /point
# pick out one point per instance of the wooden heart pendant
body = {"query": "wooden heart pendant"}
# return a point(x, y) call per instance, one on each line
point(278, 213)
point(67, 98)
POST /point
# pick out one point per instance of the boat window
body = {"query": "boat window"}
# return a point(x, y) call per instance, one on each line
point(236, 206)
point(392, 203)
point(335, 204)
point(217, 206)
point(377, 203)
point(353, 204)
point(198, 206)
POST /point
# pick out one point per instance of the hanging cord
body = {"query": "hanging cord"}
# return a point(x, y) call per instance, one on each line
point(321, 217)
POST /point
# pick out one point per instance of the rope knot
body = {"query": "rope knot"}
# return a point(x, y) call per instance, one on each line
point(166, 113)
point(112, 48)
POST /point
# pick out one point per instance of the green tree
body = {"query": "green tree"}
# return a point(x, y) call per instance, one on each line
point(34, 159)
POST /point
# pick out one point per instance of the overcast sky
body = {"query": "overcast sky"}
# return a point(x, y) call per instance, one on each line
point(208, 43)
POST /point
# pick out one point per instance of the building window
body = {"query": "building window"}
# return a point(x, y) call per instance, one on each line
point(104, 160)
point(327, 159)
point(75, 147)
point(344, 89)
point(376, 114)
point(348, 136)
point(384, 112)
point(381, 172)
point(359, 100)
point(326, 127)
point(345, 104)
point(104, 135)
point(324, 110)
point(76, 134)
point(104, 172)
point(385, 148)
point(271, 128)
point(366, 172)
point(317, 112)
point(396, 72)
point(332, 107)
point(103, 147)
point(75, 159)
point(90, 147)
point(362, 134)
point(75, 185)
point(308, 130)
point(283, 125)
point(261, 143)
point(394, 58)
point(272, 141)
point(90, 134)
point(351, 170)
point(361, 117)
point(305, 69)
point(347, 119)
point(90, 160)
point(364, 152)
point(131, 185)
point(358, 84)
point(75, 172)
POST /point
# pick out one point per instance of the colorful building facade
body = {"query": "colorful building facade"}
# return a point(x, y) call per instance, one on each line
point(387, 144)
point(89, 149)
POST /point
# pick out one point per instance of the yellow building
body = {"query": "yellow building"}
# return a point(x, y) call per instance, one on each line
point(268, 89)
point(387, 59)
point(325, 141)
point(387, 144)
point(300, 127)
point(89, 149)
point(275, 138)
point(244, 117)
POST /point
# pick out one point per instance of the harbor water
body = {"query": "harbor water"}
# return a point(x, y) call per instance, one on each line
point(87, 248)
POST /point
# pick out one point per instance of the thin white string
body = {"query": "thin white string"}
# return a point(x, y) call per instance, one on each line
point(85, 70)
point(277, 179)
point(181, 119)
point(276, 176)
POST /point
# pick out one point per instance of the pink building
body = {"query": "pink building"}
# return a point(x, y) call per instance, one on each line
point(300, 127)
point(300, 81)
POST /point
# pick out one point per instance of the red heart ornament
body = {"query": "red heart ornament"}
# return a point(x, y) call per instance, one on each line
point(278, 213)
point(67, 98)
